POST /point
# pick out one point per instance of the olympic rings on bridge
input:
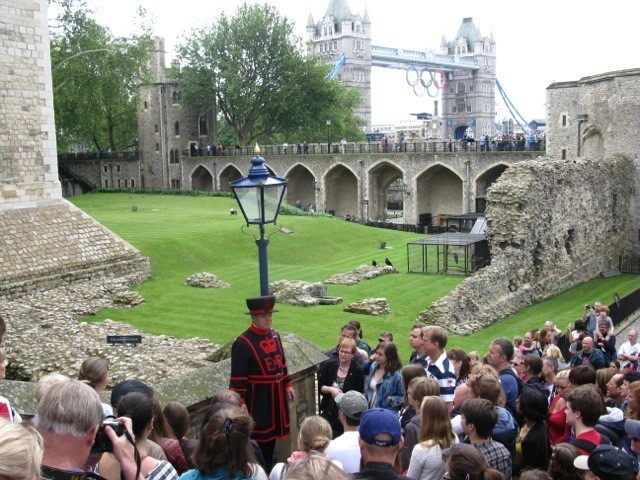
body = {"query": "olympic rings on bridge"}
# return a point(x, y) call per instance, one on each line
point(443, 77)
point(415, 77)
point(409, 70)
point(416, 91)
point(426, 85)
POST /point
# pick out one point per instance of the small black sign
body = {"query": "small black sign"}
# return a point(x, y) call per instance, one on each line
point(124, 339)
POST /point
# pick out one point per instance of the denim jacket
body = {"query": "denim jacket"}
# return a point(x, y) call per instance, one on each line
point(389, 390)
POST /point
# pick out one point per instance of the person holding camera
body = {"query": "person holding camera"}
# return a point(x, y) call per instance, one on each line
point(140, 409)
point(69, 418)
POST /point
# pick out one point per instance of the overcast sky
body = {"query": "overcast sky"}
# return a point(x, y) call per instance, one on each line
point(537, 42)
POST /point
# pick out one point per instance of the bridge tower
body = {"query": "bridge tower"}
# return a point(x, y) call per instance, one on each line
point(342, 32)
point(468, 99)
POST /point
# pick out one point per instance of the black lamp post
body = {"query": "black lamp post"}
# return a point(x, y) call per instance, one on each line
point(328, 135)
point(259, 196)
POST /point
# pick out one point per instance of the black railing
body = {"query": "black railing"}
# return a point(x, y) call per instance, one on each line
point(629, 263)
point(624, 307)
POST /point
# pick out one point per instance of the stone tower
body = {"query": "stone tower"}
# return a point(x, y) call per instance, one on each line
point(342, 32)
point(44, 240)
point(166, 130)
point(468, 98)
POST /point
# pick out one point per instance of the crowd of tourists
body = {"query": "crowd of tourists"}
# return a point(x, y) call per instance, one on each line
point(550, 404)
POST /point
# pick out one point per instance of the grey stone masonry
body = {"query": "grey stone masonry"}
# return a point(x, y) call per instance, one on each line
point(43, 247)
point(44, 240)
point(548, 231)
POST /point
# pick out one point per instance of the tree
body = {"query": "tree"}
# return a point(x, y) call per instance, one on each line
point(95, 77)
point(253, 68)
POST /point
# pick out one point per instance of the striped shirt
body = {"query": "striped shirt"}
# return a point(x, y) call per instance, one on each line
point(443, 372)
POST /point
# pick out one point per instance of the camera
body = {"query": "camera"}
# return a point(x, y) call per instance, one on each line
point(102, 442)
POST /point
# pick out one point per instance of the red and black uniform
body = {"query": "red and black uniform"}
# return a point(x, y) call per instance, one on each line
point(259, 374)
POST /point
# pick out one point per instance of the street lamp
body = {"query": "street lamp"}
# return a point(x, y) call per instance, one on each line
point(259, 196)
point(328, 135)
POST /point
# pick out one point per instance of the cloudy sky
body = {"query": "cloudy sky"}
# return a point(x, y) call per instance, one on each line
point(537, 42)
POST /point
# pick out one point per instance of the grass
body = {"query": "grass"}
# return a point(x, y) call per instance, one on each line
point(186, 235)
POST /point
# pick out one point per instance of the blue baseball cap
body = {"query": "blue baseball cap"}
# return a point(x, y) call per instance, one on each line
point(377, 421)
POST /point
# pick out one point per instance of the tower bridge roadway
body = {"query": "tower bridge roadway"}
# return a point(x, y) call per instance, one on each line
point(358, 184)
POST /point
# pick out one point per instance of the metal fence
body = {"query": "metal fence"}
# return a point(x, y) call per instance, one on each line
point(629, 263)
point(623, 308)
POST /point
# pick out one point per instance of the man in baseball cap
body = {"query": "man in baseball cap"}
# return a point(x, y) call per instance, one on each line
point(607, 462)
point(380, 442)
point(346, 448)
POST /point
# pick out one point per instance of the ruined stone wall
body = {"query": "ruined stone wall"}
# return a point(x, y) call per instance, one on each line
point(549, 231)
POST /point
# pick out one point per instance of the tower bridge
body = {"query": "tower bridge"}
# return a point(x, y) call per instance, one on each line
point(399, 58)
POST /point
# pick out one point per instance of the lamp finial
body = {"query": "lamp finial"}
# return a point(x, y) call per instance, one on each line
point(256, 149)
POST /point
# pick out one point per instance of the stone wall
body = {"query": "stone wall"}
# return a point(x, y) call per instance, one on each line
point(44, 240)
point(598, 116)
point(552, 224)
point(28, 165)
point(43, 247)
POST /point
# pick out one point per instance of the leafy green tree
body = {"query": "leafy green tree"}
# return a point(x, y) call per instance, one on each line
point(253, 68)
point(95, 77)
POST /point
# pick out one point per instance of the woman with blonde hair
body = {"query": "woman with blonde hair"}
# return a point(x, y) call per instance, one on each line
point(554, 352)
point(435, 435)
point(20, 452)
point(557, 420)
point(314, 437)
point(316, 467)
point(336, 377)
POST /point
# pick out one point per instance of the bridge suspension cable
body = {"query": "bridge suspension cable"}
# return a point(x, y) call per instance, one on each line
point(524, 125)
point(336, 68)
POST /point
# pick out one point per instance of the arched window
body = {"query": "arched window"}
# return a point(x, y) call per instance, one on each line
point(175, 97)
point(171, 156)
point(177, 128)
point(461, 88)
point(177, 156)
point(203, 125)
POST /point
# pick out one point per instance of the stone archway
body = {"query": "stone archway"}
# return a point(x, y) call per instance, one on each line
point(227, 175)
point(301, 188)
point(483, 182)
point(439, 193)
point(341, 192)
point(201, 179)
point(382, 176)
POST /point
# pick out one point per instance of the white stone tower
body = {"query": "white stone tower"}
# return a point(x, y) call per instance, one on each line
point(342, 32)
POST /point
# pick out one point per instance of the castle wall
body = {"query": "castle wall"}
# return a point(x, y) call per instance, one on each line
point(28, 164)
point(610, 102)
point(547, 233)
point(44, 240)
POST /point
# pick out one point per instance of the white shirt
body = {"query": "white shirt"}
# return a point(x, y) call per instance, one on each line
point(627, 349)
point(346, 450)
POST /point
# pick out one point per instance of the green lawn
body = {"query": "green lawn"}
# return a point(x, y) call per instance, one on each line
point(185, 235)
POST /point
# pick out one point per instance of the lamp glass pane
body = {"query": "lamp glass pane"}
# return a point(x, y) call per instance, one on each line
point(250, 200)
point(272, 198)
